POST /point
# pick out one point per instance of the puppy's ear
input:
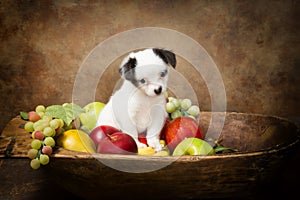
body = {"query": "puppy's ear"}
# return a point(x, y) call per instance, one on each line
point(167, 56)
point(126, 70)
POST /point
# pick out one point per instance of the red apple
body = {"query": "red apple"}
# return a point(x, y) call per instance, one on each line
point(142, 136)
point(162, 134)
point(100, 132)
point(117, 143)
point(181, 128)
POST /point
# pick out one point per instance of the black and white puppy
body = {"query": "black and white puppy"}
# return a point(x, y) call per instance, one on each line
point(139, 105)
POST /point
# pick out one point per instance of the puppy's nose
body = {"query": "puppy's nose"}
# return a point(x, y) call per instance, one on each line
point(158, 91)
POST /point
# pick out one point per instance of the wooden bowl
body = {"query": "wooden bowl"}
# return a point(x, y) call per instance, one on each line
point(264, 143)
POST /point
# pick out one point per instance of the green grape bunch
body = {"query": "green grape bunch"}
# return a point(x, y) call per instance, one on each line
point(43, 130)
point(181, 107)
point(45, 125)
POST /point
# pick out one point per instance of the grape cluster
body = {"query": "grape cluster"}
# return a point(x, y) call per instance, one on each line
point(181, 107)
point(43, 130)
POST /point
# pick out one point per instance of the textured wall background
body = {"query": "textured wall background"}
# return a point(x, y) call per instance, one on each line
point(255, 45)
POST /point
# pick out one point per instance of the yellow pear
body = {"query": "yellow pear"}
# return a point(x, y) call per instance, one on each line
point(76, 140)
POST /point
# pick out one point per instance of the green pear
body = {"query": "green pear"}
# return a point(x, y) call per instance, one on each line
point(90, 116)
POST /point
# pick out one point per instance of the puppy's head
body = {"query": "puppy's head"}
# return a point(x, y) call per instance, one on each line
point(148, 70)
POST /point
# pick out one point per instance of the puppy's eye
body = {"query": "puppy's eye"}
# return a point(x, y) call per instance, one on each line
point(143, 81)
point(163, 74)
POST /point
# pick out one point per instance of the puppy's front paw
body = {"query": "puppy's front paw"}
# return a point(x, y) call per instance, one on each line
point(154, 142)
point(140, 145)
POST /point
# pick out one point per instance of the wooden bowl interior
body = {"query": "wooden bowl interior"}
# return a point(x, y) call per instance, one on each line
point(251, 132)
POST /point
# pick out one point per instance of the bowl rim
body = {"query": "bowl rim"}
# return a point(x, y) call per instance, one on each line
point(64, 153)
point(270, 150)
point(60, 152)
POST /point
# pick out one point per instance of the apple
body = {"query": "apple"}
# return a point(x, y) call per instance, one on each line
point(100, 132)
point(117, 143)
point(91, 114)
point(162, 134)
point(180, 128)
point(109, 139)
point(193, 146)
point(142, 136)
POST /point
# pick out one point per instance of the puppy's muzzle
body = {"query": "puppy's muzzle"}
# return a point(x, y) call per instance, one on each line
point(158, 90)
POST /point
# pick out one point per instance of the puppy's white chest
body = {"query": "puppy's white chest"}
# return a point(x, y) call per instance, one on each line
point(140, 113)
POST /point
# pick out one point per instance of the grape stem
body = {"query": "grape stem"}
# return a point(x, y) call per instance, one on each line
point(39, 152)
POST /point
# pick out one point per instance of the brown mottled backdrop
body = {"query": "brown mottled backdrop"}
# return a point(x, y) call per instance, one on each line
point(255, 45)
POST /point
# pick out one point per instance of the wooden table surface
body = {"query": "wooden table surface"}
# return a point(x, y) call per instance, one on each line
point(19, 181)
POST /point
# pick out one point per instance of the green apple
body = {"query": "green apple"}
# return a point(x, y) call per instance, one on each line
point(193, 146)
point(91, 114)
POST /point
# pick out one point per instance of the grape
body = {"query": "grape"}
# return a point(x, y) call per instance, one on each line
point(36, 144)
point(32, 135)
point(186, 104)
point(40, 125)
point(170, 107)
point(166, 94)
point(49, 132)
point(181, 107)
point(176, 102)
point(193, 110)
point(35, 163)
point(44, 159)
point(170, 99)
point(49, 141)
point(38, 135)
point(33, 116)
point(191, 116)
point(176, 114)
point(41, 114)
point(60, 131)
point(47, 150)
point(47, 118)
point(40, 108)
point(54, 123)
point(29, 126)
point(61, 123)
point(32, 153)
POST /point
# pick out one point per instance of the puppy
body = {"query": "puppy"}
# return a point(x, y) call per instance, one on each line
point(139, 105)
